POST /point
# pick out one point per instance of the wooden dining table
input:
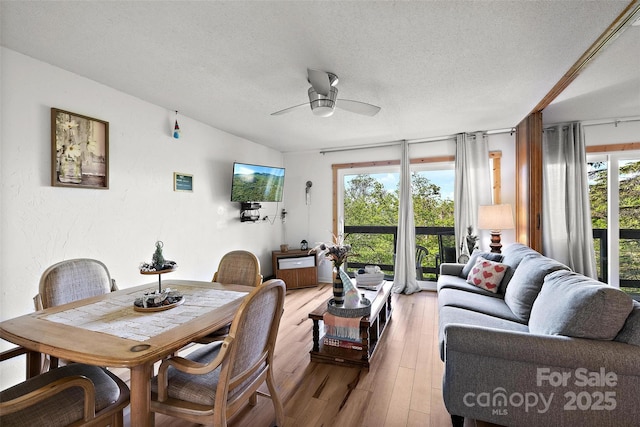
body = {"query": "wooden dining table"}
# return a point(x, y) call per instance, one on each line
point(107, 331)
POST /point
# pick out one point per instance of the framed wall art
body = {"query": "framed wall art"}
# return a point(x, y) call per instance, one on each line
point(182, 182)
point(79, 151)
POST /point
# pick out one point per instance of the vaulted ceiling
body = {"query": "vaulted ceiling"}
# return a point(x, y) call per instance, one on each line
point(435, 67)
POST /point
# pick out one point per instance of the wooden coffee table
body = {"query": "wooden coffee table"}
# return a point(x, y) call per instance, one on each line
point(371, 330)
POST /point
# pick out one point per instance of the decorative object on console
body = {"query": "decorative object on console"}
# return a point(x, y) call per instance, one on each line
point(495, 218)
point(337, 252)
point(370, 277)
point(304, 245)
point(79, 151)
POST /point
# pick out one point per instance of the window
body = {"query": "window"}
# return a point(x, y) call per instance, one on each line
point(370, 215)
point(365, 208)
point(614, 191)
point(369, 211)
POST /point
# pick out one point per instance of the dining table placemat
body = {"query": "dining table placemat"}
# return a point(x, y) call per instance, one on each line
point(116, 316)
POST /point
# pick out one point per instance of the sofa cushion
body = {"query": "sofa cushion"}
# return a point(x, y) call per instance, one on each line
point(448, 315)
point(512, 255)
point(455, 282)
point(487, 274)
point(451, 269)
point(526, 283)
point(574, 305)
point(473, 259)
point(630, 332)
point(487, 304)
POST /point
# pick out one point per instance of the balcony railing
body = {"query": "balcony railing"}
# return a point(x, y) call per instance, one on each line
point(629, 256)
point(362, 239)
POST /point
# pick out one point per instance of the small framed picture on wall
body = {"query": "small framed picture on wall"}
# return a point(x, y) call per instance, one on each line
point(182, 182)
point(79, 150)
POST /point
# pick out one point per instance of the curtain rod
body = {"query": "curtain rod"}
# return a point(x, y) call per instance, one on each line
point(409, 141)
point(489, 132)
point(599, 122)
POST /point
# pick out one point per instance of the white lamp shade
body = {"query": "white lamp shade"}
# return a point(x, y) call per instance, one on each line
point(495, 217)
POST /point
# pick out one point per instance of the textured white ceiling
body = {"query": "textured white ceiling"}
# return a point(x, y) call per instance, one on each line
point(435, 67)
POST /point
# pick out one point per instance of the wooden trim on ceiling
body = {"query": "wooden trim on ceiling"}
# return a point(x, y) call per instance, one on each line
point(627, 146)
point(609, 35)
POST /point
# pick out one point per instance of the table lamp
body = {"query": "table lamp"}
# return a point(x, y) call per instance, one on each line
point(495, 218)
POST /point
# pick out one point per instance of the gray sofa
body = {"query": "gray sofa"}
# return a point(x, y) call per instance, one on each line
point(550, 347)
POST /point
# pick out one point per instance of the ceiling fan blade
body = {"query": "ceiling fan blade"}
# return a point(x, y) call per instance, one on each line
point(320, 81)
point(358, 107)
point(286, 110)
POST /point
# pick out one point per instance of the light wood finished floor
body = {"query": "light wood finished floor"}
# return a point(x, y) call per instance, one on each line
point(403, 387)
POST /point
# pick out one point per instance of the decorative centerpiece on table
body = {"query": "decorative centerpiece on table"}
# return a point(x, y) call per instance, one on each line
point(158, 300)
point(346, 301)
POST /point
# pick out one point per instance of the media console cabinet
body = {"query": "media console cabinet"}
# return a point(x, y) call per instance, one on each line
point(298, 269)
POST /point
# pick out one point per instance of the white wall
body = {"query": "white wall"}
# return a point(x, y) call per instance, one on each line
point(314, 222)
point(606, 134)
point(41, 224)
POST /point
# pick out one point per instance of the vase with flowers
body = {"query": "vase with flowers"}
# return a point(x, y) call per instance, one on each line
point(336, 252)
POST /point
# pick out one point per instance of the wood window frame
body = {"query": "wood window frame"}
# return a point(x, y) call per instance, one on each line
point(612, 148)
point(494, 156)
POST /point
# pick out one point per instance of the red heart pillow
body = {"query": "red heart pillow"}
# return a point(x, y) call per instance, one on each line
point(487, 274)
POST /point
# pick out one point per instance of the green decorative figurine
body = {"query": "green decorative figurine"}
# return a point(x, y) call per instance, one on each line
point(158, 258)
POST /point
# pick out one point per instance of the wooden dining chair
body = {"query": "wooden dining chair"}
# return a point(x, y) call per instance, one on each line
point(69, 281)
point(238, 268)
point(73, 395)
point(211, 384)
point(235, 268)
point(73, 280)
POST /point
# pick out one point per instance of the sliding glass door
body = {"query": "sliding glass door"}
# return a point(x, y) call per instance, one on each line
point(614, 190)
point(368, 213)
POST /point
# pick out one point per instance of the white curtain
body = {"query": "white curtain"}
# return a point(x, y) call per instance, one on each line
point(566, 232)
point(472, 183)
point(405, 273)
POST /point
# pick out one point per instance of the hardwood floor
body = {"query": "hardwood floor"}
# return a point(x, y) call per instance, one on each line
point(402, 388)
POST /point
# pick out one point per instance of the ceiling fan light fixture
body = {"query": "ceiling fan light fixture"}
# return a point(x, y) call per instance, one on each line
point(321, 105)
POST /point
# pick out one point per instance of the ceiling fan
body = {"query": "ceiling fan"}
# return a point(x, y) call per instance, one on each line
point(323, 97)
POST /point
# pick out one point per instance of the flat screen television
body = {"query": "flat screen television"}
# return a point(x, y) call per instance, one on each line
point(255, 183)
